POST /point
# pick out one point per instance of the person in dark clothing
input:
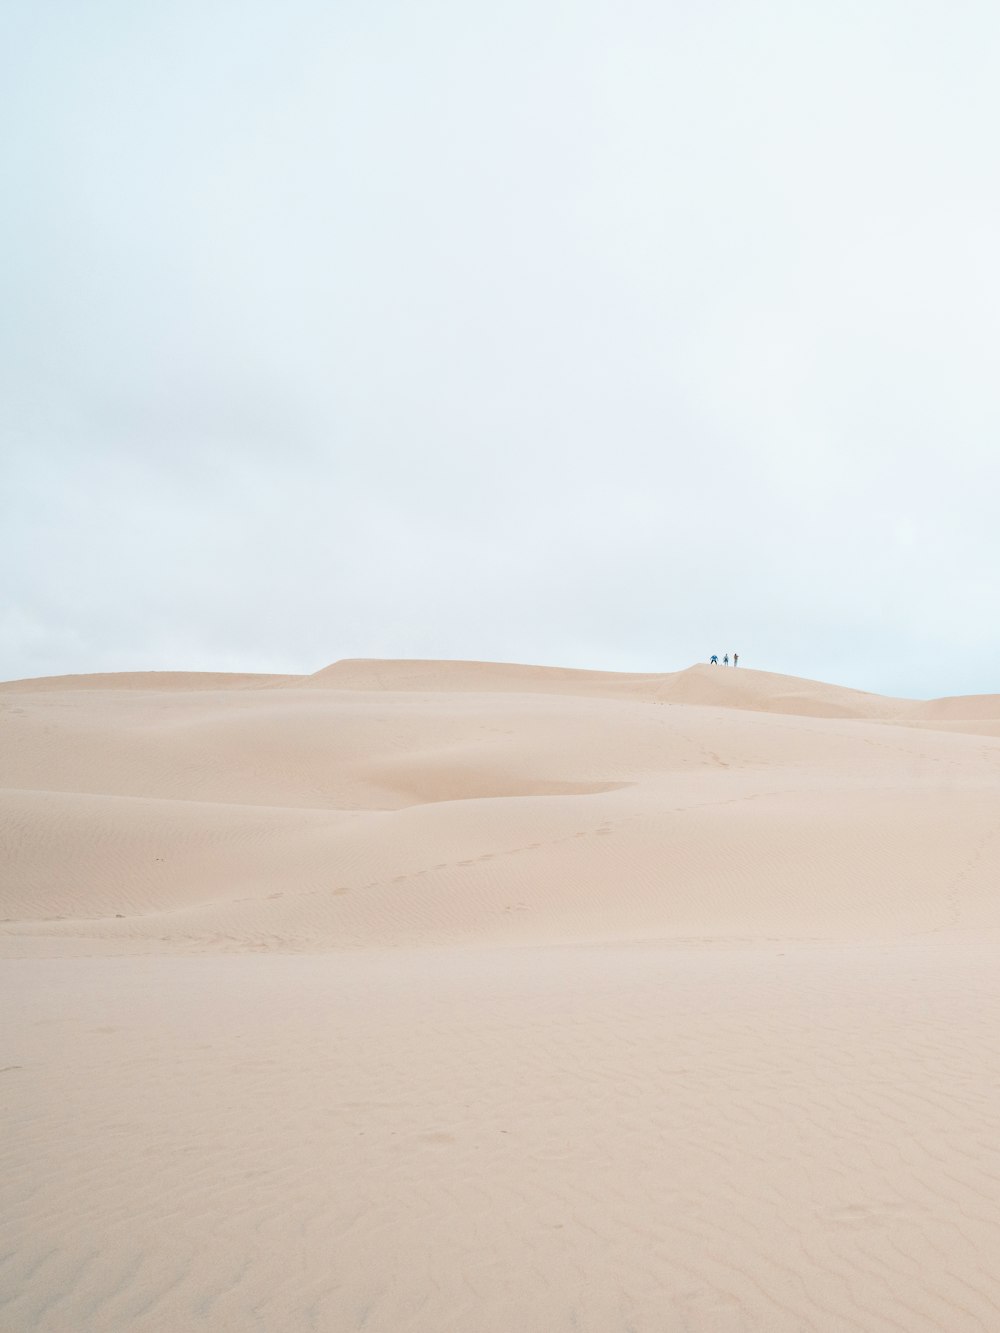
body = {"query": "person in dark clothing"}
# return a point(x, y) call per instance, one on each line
point(715, 659)
point(725, 660)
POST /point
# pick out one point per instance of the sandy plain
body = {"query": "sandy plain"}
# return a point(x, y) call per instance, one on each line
point(466, 996)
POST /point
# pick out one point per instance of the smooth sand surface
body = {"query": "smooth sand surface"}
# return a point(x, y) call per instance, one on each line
point(468, 996)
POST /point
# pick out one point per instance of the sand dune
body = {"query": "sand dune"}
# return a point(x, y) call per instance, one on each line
point(439, 995)
point(150, 681)
point(759, 691)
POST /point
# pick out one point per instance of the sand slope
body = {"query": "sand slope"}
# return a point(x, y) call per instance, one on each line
point(477, 996)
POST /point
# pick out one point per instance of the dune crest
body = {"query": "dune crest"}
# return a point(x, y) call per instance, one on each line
point(701, 685)
point(152, 681)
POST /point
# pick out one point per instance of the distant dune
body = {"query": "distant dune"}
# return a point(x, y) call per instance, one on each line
point(721, 687)
point(473, 995)
point(150, 681)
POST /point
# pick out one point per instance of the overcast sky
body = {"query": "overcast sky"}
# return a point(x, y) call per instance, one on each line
point(605, 333)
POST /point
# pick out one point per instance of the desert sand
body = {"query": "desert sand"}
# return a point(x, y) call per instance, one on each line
point(467, 996)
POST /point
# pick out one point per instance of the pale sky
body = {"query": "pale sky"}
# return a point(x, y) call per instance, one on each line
point(603, 333)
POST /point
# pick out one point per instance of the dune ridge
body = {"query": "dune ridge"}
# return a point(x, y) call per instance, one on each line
point(709, 686)
point(152, 681)
point(478, 995)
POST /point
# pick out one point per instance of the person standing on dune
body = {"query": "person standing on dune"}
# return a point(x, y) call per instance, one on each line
point(715, 660)
point(725, 660)
point(736, 659)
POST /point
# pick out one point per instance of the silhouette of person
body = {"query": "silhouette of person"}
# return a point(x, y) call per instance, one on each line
point(715, 659)
point(736, 659)
point(725, 660)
